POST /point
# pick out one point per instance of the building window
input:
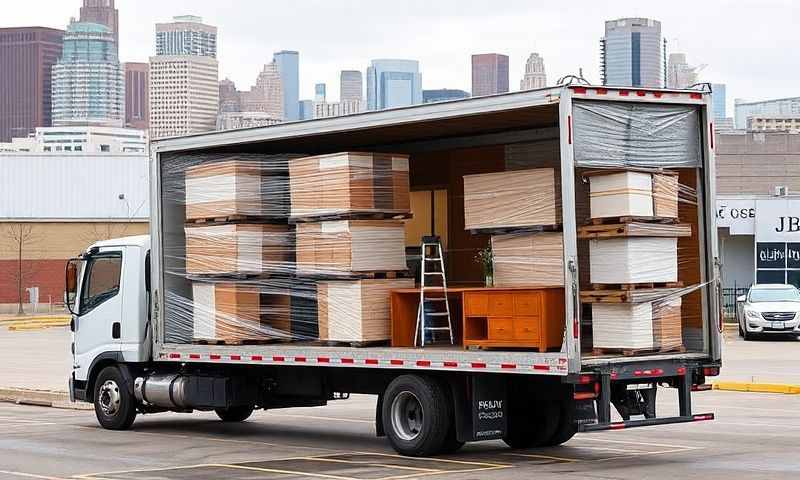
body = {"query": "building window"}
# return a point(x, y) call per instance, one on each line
point(105, 148)
point(78, 148)
point(67, 149)
point(48, 149)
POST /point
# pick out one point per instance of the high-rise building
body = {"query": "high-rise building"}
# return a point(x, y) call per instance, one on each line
point(534, 77)
point(306, 109)
point(137, 108)
point(632, 53)
point(27, 55)
point(679, 73)
point(719, 100)
point(184, 95)
point(782, 107)
point(103, 12)
point(261, 105)
point(393, 83)
point(351, 85)
point(186, 35)
point(319, 92)
point(489, 74)
point(288, 63)
point(229, 100)
point(443, 95)
point(88, 80)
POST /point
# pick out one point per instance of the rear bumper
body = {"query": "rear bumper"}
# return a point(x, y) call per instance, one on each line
point(647, 422)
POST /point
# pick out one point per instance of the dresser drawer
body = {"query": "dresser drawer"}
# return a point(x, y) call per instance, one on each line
point(501, 304)
point(527, 304)
point(501, 329)
point(526, 328)
point(476, 304)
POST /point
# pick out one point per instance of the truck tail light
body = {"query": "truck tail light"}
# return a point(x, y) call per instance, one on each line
point(710, 371)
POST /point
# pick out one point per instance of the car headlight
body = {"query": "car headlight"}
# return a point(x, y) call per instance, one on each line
point(752, 314)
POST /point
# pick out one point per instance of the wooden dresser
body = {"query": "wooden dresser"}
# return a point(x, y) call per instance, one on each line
point(514, 318)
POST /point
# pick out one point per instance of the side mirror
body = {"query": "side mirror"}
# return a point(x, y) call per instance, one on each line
point(741, 298)
point(71, 287)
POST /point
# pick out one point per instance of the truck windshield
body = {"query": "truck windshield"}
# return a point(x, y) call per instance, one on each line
point(774, 295)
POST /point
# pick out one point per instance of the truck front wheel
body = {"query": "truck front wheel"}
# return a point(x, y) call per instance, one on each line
point(238, 413)
point(417, 416)
point(114, 405)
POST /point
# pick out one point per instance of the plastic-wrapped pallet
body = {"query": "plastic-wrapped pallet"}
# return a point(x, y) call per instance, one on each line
point(225, 311)
point(528, 259)
point(239, 249)
point(637, 326)
point(345, 246)
point(349, 182)
point(628, 260)
point(519, 198)
point(633, 193)
point(357, 310)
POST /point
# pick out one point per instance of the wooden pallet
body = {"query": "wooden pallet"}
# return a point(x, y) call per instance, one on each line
point(635, 286)
point(525, 229)
point(239, 341)
point(635, 229)
point(233, 277)
point(381, 275)
point(356, 215)
point(353, 344)
point(626, 296)
point(630, 352)
point(234, 219)
point(612, 220)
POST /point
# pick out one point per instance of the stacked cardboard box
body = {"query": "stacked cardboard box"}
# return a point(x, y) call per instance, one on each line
point(349, 182)
point(528, 259)
point(633, 193)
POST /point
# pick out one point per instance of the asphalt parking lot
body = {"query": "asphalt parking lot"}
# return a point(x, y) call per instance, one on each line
point(753, 437)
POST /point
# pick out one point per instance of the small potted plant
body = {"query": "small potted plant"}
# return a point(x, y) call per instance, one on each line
point(486, 260)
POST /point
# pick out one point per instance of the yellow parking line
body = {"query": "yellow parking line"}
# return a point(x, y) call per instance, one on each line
point(30, 475)
point(442, 460)
point(287, 472)
point(399, 467)
point(546, 457)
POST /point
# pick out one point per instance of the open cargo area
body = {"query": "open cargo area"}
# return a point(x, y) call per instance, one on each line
point(542, 231)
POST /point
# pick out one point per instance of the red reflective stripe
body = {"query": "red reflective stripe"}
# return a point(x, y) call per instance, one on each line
point(300, 359)
point(569, 129)
point(278, 359)
point(576, 328)
point(658, 94)
point(541, 367)
point(579, 89)
point(194, 355)
point(623, 93)
point(508, 365)
point(616, 426)
point(602, 91)
point(256, 358)
point(174, 355)
point(696, 96)
point(348, 360)
point(423, 363)
point(702, 388)
point(614, 374)
point(584, 395)
point(323, 360)
point(478, 365)
point(214, 356)
point(396, 362)
point(701, 417)
point(450, 364)
point(236, 357)
point(681, 370)
point(371, 361)
point(640, 93)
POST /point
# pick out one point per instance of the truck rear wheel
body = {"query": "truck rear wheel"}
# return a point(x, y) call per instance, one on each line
point(532, 424)
point(417, 416)
point(238, 413)
point(114, 405)
point(567, 428)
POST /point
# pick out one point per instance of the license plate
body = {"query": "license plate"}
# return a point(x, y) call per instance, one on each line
point(639, 386)
point(779, 325)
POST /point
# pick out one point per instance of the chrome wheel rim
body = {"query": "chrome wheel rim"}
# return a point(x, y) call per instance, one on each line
point(109, 397)
point(407, 416)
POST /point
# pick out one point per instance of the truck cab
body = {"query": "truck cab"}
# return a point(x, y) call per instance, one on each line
point(107, 295)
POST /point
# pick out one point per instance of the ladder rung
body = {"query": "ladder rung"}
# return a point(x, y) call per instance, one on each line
point(437, 314)
point(437, 328)
point(433, 259)
point(435, 299)
point(434, 273)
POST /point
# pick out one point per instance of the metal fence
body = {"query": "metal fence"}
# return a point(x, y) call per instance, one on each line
point(729, 299)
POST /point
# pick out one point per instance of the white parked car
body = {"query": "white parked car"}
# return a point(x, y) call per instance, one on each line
point(769, 309)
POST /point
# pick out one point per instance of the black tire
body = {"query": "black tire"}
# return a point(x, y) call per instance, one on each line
point(747, 336)
point(533, 424)
point(741, 332)
point(567, 428)
point(238, 413)
point(423, 419)
point(451, 443)
point(114, 405)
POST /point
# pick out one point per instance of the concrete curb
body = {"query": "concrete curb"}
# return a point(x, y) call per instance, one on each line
point(41, 398)
point(757, 387)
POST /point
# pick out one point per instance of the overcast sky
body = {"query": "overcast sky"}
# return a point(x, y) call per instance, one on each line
point(748, 44)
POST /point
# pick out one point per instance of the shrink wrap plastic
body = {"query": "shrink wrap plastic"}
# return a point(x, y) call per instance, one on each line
point(240, 269)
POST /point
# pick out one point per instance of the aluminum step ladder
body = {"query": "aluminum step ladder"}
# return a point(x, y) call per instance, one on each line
point(434, 296)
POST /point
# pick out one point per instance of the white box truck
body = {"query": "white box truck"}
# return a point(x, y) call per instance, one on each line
point(132, 341)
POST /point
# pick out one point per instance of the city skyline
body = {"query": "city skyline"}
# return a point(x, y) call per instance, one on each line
point(568, 44)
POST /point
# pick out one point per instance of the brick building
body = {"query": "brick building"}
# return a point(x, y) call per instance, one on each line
point(57, 205)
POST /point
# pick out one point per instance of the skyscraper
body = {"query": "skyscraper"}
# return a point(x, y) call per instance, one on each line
point(393, 83)
point(88, 81)
point(186, 35)
point(137, 107)
point(351, 86)
point(319, 92)
point(679, 73)
point(184, 78)
point(719, 100)
point(103, 12)
point(535, 76)
point(632, 53)
point(489, 74)
point(288, 63)
point(267, 95)
point(27, 55)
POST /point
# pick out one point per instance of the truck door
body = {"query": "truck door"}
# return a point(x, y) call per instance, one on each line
point(97, 324)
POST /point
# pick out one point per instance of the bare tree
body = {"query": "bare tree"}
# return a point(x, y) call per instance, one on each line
point(20, 235)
